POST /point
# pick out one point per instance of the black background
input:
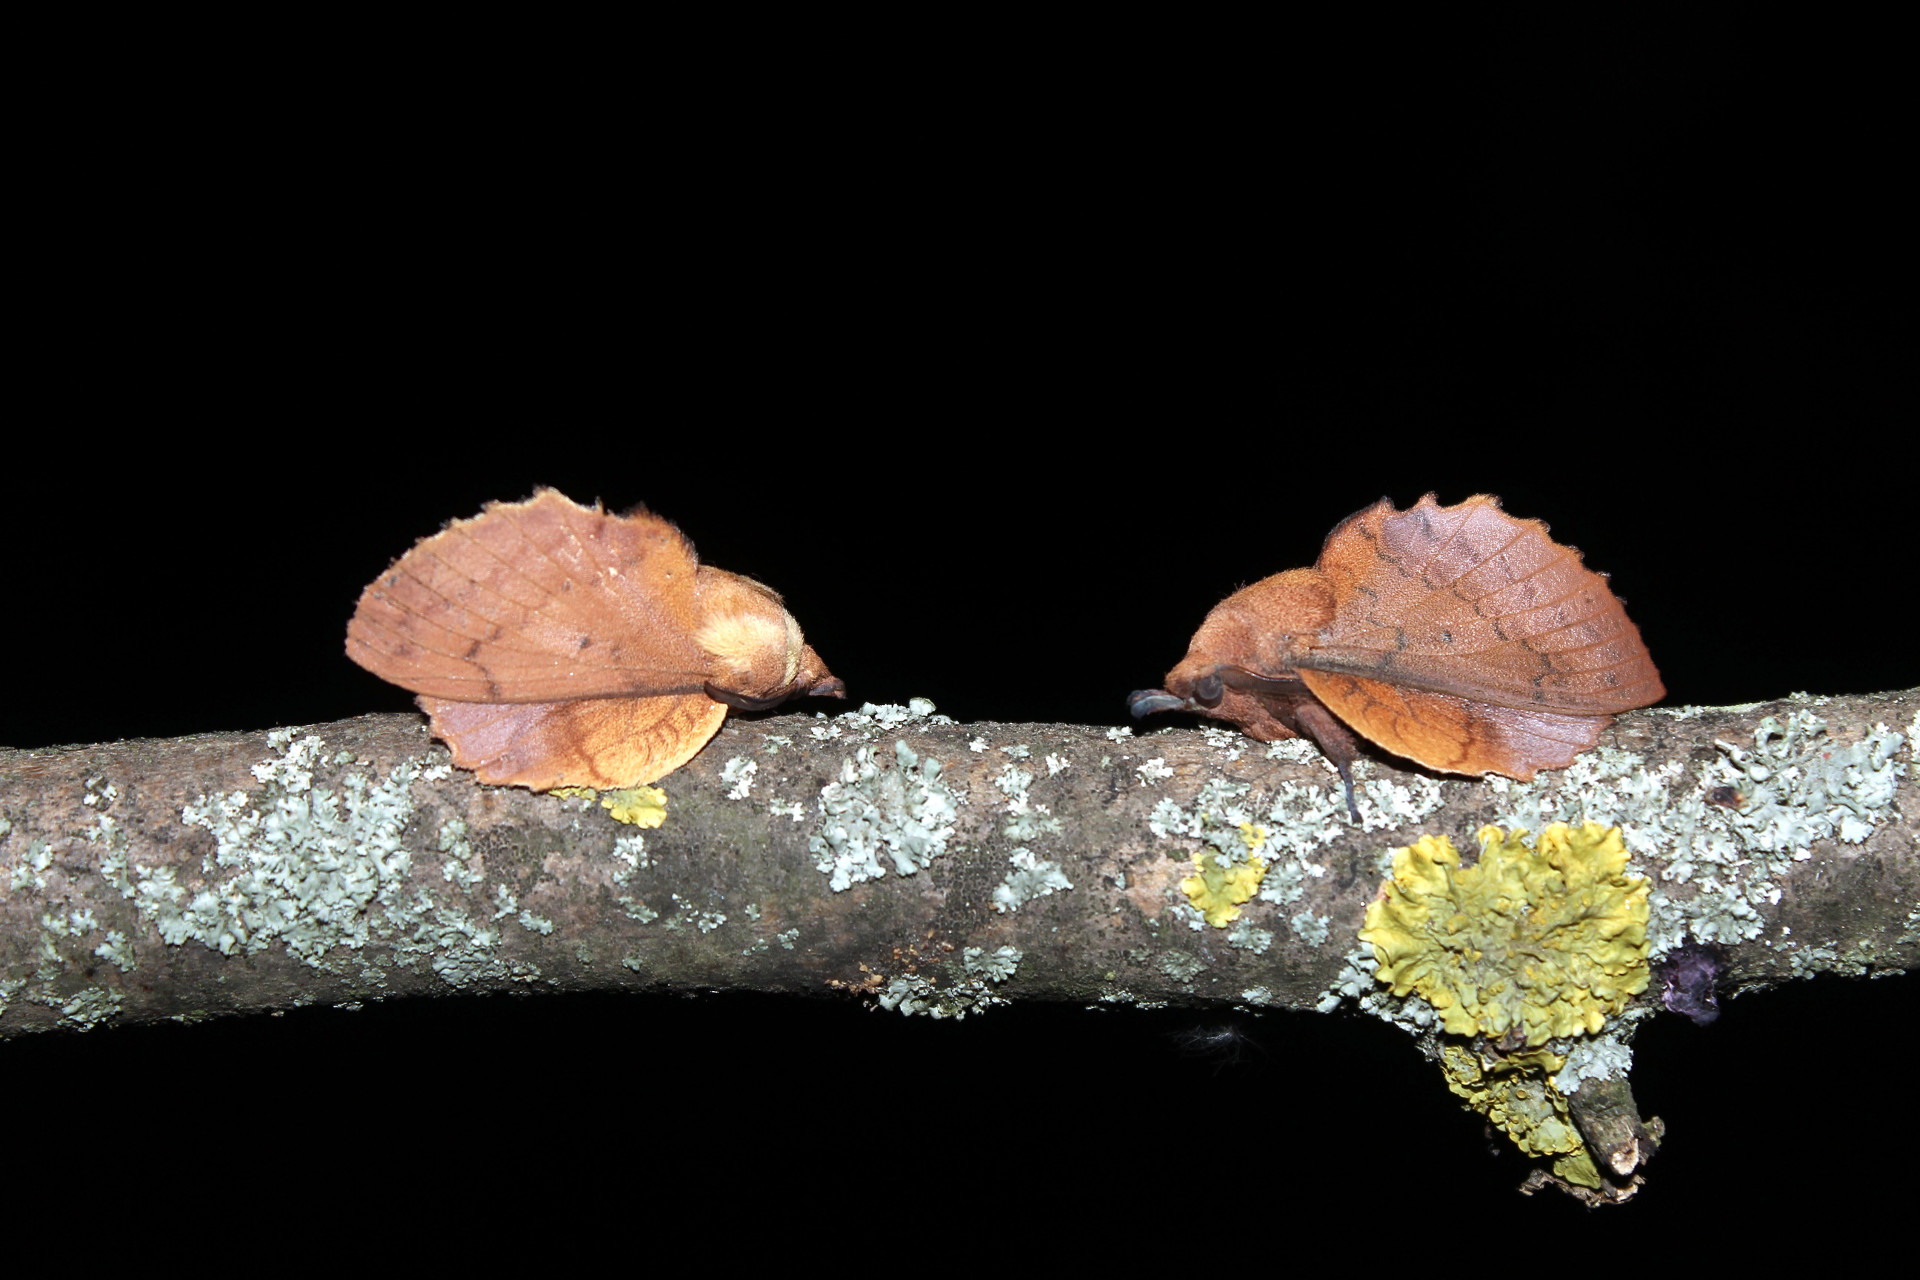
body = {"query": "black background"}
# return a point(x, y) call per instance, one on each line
point(1003, 353)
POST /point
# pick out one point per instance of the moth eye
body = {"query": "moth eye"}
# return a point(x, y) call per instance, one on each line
point(1207, 690)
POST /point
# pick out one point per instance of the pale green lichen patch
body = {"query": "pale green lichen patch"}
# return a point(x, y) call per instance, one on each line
point(738, 774)
point(1030, 878)
point(30, 871)
point(898, 808)
point(1028, 821)
point(629, 856)
point(88, 1008)
point(1857, 960)
point(1231, 743)
point(1308, 927)
point(1237, 833)
point(1287, 827)
point(874, 721)
point(318, 870)
point(1601, 1058)
point(706, 921)
point(974, 993)
point(117, 952)
point(9, 988)
point(1182, 966)
point(913, 994)
point(1248, 936)
point(1356, 982)
point(997, 965)
point(453, 842)
point(1730, 833)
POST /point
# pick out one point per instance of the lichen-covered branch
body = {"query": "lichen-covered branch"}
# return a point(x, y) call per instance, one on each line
point(895, 856)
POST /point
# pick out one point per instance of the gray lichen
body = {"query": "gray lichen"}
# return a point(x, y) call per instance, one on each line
point(997, 965)
point(1030, 878)
point(1181, 966)
point(1309, 928)
point(1600, 1058)
point(319, 871)
point(973, 993)
point(1732, 833)
point(1249, 937)
point(738, 774)
point(1029, 821)
point(1356, 982)
point(905, 812)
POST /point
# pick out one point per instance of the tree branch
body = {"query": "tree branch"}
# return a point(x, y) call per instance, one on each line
point(346, 862)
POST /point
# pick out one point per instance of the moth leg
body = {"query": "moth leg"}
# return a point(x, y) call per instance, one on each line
point(1335, 741)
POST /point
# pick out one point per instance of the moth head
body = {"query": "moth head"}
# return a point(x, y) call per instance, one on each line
point(757, 653)
point(1244, 651)
point(1260, 628)
point(814, 680)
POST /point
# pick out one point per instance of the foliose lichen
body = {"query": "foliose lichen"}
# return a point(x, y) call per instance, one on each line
point(318, 871)
point(1600, 1058)
point(1285, 829)
point(1028, 821)
point(904, 812)
point(1516, 1093)
point(1030, 878)
point(997, 965)
point(1216, 890)
point(1182, 966)
point(1525, 945)
point(1247, 936)
point(1730, 833)
point(974, 993)
point(738, 773)
point(876, 720)
point(643, 807)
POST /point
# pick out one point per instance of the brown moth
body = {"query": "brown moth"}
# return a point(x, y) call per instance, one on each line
point(1459, 637)
point(555, 645)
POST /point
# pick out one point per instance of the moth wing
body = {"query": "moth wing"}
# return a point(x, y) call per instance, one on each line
point(1469, 601)
point(536, 601)
point(602, 743)
point(1456, 735)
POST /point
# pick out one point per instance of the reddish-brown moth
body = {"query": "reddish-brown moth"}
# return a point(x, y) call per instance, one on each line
point(1459, 637)
point(555, 645)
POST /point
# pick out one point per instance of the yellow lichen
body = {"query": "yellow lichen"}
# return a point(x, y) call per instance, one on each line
point(1517, 1095)
point(1526, 944)
point(1215, 889)
point(636, 806)
point(1579, 1169)
point(640, 806)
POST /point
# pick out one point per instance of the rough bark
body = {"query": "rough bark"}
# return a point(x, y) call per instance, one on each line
point(378, 878)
